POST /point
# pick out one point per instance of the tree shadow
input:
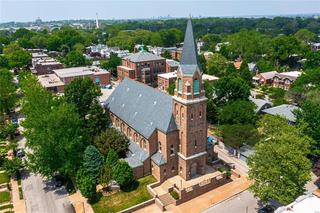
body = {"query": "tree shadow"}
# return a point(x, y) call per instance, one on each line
point(131, 187)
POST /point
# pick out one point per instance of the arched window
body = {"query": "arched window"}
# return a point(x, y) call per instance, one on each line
point(171, 150)
point(160, 148)
point(195, 86)
point(179, 85)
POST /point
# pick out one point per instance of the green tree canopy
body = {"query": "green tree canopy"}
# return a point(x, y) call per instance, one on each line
point(237, 112)
point(16, 56)
point(7, 91)
point(309, 80)
point(112, 63)
point(112, 139)
point(92, 161)
point(82, 92)
point(86, 184)
point(75, 59)
point(237, 135)
point(230, 89)
point(279, 168)
point(305, 35)
point(122, 173)
point(112, 158)
point(217, 65)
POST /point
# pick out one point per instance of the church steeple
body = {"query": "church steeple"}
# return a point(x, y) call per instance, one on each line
point(189, 50)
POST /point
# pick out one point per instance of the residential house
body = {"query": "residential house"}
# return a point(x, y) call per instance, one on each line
point(285, 110)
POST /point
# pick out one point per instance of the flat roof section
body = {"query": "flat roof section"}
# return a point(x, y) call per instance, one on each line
point(50, 80)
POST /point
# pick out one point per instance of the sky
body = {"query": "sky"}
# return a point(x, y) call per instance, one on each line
point(26, 10)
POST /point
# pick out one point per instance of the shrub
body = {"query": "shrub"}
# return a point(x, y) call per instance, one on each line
point(122, 173)
point(174, 194)
point(92, 161)
point(86, 184)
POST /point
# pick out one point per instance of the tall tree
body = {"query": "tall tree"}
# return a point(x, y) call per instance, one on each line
point(279, 168)
point(238, 112)
point(75, 59)
point(122, 173)
point(17, 57)
point(92, 161)
point(86, 184)
point(230, 89)
point(305, 35)
point(112, 139)
point(217, 65)
point(96, 120)
point(112, 63)
point(7, 91)
point(82, 92)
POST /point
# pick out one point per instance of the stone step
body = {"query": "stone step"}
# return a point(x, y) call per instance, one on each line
point(166, 199)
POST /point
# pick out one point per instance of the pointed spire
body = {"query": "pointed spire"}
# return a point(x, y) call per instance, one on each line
point(189, 50)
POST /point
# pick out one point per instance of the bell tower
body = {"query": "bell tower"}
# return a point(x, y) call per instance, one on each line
point(190, 107)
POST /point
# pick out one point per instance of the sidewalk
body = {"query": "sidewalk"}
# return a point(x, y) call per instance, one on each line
point(241, 166)
point(206, 200)
point(18, 205)
point(80, 203)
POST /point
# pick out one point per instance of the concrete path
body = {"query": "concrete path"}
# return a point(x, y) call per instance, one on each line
point(80, 203)
point(244, 202)
point(43, 197)
point(18, 205)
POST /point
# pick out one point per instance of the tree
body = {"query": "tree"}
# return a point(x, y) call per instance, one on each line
point(313, 60)
point(7, 91)
point(86, 184)
point(166, 54)
point(82, 92)
point(105, 175)
point(211, 105)
point(305, 35)
point(203, 63)
point(96, 120)
point(39, 41)
point(279, 167)
point(269, 125)
point(171, 88)
point(78, 48)
point(112, 63)
point(230, 89)
point(112, 139)
point(309, 118)
point(309, 80)
point(245, 73)
point(54, 43)
point(122, 173)
point(265, 65)
point(75, 59)
point(237, 135)
point(16, 56)
point(238, 112)
point(217, 65)
point(4, 62)
point(92, 161)
point(13, 166)
point(112, 158)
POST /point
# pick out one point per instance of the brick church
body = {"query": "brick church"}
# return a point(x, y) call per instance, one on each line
point(168, 134)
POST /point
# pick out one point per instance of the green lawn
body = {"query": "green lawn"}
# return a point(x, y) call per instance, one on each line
point(4, 178)
point(9, 206)
point(122, 200)
point(4, 197)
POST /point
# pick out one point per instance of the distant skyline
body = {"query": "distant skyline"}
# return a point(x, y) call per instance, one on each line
point(26, 10)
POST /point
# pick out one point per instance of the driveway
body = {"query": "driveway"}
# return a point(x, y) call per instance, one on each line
point(244, 202)
point(43, 197)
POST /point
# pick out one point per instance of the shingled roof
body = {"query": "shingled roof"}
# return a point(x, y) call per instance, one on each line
point(143, 56)
point(143, 108)
point(189, 58)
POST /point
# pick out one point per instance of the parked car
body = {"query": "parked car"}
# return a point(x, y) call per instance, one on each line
point(58, 180)
point(20, 153)
point(267, 209)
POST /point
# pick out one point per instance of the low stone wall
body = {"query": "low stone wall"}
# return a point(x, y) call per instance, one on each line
point(139, 206)
point(151, 186)
point(201, 188)
point(160, 204)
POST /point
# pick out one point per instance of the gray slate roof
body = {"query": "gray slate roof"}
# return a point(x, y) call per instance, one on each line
point(143, 108)
point(260, 104)
point(136, 156)
point(284, 110)
point(158, 159)
point(143, 56)
point(189, 58)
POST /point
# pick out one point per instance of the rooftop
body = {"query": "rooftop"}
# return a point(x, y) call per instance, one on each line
point(268, 75)
point(143, 108)
point(303, 204)
point(172, 63)
point(209, 77)
point(136, 155)
point(50, 80)
point(78, 71)
point(143, 56)
point(260, 103)
point(39, 55)
point(284, 110)
point(168, 75)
